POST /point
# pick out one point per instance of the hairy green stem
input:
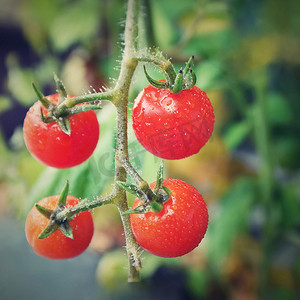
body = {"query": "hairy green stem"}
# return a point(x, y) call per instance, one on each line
point(119, 97)
point(69, 213)
point(107, 95)
point(142, 185)
point(131, 171)
point(164, 64)
point(70, 102)
point(120, 100)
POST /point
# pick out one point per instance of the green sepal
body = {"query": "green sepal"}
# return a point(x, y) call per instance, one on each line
point(130, 188)
point(160, 190)
point(141, 209)
point(51, 228)
point(64, 124)
point(177, 87)
point(188, 65)
point(168, 194)
point(55, 224)
point(189, 76)
point(185, 79)
point(82, 108)
point(45, 102)
point(62, 201)
point(66, 229)
point(156, 207)
point(156, 83)
point(44, 211)
point(46, 119)
point(192, 83)
point(159, 177)
point(60, 88)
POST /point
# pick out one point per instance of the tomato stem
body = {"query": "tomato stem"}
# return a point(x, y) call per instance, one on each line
point(184, 79)
point(164, 64)
point(120, 100)
point(69, 213)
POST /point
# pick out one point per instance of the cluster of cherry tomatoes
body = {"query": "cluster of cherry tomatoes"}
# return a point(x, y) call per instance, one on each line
point(170, 126)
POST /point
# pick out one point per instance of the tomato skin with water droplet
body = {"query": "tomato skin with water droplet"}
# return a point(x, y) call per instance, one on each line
point(172, 126)
point(50, 145)
point(178, 228)
point(57, 245)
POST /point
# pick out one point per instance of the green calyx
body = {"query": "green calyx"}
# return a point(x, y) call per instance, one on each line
point(66, 107)
point(153, 201)
point(183, 80)
point(54, 223)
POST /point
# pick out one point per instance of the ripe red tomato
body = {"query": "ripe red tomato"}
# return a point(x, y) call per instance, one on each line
point(50, 145)
point(57, 245)
point(172, 126)
point(178, 228)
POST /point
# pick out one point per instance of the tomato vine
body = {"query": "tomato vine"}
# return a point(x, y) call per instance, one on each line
point(60, 113)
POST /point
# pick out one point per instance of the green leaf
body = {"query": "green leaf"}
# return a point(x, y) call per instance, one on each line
point(289, 207)
point(198, 282)
point(278, 109)
point(208, 73)
point(232, 219)
point(162, 26)
point(78, 22)
point(19, 81)
point(213, 44)
point(5, 103)
point(236, 134)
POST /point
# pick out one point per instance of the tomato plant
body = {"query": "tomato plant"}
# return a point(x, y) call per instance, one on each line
point(172, 119)
point(57, 245)
point(178, 228)
point(172, 126)
point(50, 145)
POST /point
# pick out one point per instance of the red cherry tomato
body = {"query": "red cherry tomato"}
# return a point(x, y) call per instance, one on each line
point(50, 145)
point(172, 126)
point(178, 228)
point(57, 245)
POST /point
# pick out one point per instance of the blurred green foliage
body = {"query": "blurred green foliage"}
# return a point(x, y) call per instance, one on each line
point(248, 57)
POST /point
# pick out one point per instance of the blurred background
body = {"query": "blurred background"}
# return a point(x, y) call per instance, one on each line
point(247, 60)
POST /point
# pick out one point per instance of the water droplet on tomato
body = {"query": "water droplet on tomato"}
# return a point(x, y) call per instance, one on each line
point(177, 114)
point(166, 125)
point(140, 116)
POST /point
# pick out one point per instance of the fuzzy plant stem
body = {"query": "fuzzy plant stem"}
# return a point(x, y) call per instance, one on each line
point(120, 100)
point(119, 97)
